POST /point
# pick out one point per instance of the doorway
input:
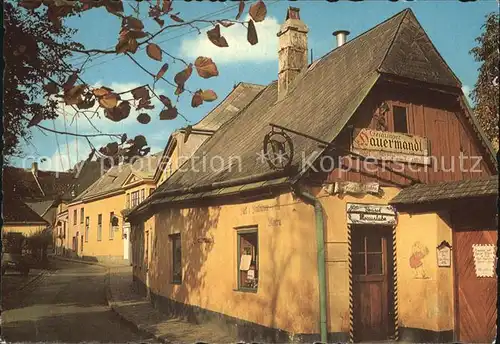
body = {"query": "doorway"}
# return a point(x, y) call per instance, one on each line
point(373, 282)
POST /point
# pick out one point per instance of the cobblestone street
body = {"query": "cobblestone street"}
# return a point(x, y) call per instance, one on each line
point(66, 304)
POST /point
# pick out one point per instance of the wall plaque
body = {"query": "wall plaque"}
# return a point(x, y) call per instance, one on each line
point(377, 214)
point(484, 260)
point(356, 188)
point(444, 254)
point(385, 145)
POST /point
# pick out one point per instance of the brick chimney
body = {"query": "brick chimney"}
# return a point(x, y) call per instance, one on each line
point(292, 54)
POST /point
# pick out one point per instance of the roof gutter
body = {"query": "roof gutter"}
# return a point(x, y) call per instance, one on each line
point(320, 244)
point(216, 185)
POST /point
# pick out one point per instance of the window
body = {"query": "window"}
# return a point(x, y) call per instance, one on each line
point(99, 227)
point(151, 191)
point(81, 215)
point(400, 120)
point(74, 217)
point(128, 202)
point(248, 259)
point(87, 225)
point(111, 226)
point(135, 198)
point(142, 195)
point(367, 253)
point(176, 258)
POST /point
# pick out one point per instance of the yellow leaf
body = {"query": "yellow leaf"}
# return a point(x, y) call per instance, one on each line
point(99, 92)
point(209, 95)
point(109, 101)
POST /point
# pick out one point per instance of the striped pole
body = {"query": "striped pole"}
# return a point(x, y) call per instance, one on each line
point(395, 281)
point(351, 311)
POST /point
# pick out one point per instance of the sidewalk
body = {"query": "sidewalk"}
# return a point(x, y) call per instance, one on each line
point(138, 311)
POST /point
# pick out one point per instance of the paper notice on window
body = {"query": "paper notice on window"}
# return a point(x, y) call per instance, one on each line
point(251, 274)
point(245, 261)
point(484, 260)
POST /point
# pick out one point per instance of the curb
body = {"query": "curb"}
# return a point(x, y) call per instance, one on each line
point(83, 262)
point(139, 328)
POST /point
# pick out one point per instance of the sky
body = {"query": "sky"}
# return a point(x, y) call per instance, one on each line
point(451, 25)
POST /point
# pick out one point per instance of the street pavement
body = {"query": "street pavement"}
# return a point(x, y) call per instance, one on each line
point(65, 304)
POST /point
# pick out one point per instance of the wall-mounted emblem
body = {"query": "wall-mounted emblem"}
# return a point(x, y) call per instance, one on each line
point(374, 214)
point(384, 145)
point(444, 254)
point(278, 149)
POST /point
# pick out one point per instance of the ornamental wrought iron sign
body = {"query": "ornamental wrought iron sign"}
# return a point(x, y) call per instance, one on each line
point(373, 214)
point(278, 149)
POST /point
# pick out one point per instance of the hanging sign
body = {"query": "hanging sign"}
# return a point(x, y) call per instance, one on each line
point(371, 214)
point(385, 145)
point(484, 260)
point(356, 188)
point(444, 254)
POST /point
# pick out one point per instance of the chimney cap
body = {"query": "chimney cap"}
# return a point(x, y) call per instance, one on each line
point(338, 32)
point(293, 13)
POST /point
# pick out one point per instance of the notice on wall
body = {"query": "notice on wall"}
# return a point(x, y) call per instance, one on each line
point(251, 274)
point(444, 257)
point(484, 260)
point(245, 261)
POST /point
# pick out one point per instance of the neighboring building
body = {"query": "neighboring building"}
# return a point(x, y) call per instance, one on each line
point(20, 218)
point(94, 218)
point(348, 251)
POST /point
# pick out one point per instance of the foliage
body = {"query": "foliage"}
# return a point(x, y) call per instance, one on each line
point(486, 91)
point(28, 66)
point(60, 81)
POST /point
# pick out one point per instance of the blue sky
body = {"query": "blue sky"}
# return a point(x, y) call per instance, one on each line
point(451, 25)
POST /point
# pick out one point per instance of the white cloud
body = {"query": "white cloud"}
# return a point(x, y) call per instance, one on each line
point(239, 49)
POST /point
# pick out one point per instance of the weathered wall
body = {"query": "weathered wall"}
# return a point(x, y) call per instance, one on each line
point(287, 268)
point(425, 293)
point(287, 296)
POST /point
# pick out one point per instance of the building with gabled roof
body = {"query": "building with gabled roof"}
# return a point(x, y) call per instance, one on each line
point(300, 231)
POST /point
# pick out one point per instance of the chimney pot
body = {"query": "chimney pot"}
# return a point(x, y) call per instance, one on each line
point(341, 36)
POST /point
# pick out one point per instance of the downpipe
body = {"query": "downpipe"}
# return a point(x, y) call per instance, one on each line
point(320, 242)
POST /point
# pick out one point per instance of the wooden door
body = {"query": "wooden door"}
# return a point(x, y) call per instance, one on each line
point(475, 297)
point(372, 282)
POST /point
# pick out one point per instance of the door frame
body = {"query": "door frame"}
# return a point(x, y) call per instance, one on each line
point(456, 322)
point(392, 306)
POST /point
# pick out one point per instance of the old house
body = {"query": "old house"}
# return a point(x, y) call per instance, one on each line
point(18, 217)
point(361, 205)
point(45, 192)
point(96, 229)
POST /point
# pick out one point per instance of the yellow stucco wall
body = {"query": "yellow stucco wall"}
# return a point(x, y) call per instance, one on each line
point(287, 268)
point(287, 297)
point(27, 230)
point(426, 293)
point(105, 247)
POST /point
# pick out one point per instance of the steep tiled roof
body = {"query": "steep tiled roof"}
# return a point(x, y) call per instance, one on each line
point(114, 178)
point(40, 207)
point(427, 193)
point(16, 211)
point(320, 101)
point(23, 183)
point(239, 97)
point(310, 104)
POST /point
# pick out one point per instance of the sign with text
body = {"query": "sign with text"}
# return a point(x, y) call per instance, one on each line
point(374, 214)
point(384, 145)
point(444, 256)
point(356, 188)
point(484, 260)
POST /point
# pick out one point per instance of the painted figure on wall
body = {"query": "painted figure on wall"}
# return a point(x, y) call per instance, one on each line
point(419, 251)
